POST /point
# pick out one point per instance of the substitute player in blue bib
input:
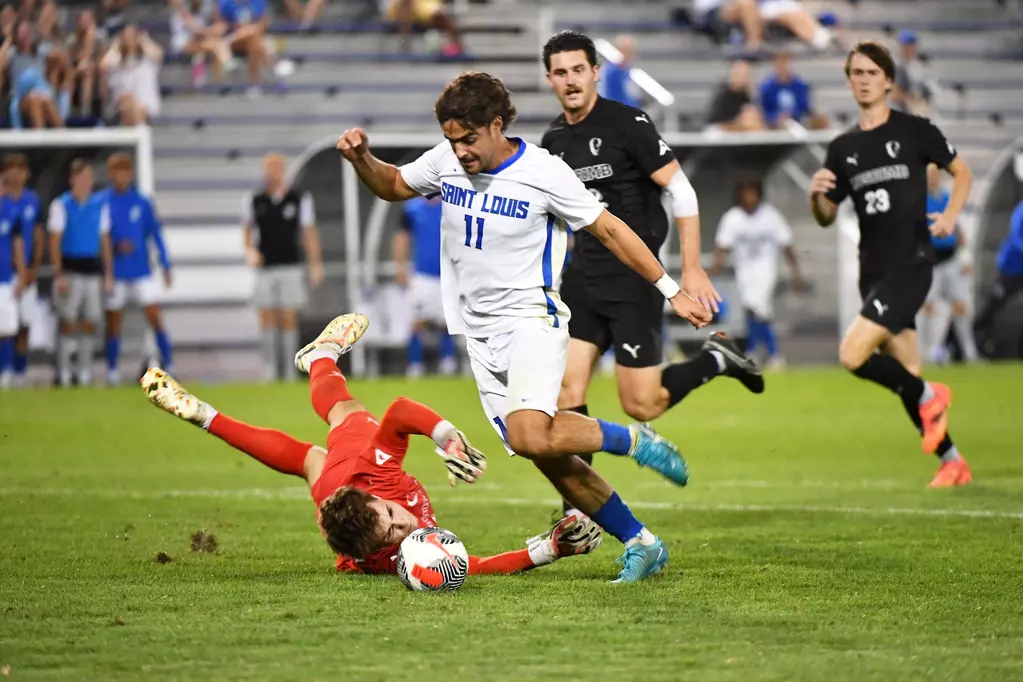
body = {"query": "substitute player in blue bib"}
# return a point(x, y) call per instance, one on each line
point(948, 301)
point(133, 226)
point(420, 234)
point(82, 266)
point(22, 204)
point(12, 273)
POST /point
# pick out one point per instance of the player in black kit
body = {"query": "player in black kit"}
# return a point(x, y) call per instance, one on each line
point(882, 164)
point(619, 155)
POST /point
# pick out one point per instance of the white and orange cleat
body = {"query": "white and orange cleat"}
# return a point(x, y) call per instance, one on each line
point(952, 473)
point(934, 417)
point(163, 391)
point(336, 339)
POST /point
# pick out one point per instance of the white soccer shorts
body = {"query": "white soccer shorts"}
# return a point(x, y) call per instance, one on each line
point(427, 304)
point(519, 370)
point(27, 305)
point(144, 291)
point(756, 283)
point(8, 311)
point(949, 283)
point(772, 9)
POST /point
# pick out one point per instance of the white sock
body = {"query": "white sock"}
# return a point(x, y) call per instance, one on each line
point(645, 538)
point(821, 39)
point(964, 332)
point(210, 414)
point(951, 455)
point(720, 357)
point(65, 349)
point(268, 351)
point(927, 394)
point(86, 348)
point(289, 347)
point(321, 354)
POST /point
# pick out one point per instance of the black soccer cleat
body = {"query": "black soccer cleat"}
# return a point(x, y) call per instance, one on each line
point(737, 365)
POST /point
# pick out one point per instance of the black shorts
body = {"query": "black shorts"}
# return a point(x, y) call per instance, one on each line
point(893, 298)
point(627, 314)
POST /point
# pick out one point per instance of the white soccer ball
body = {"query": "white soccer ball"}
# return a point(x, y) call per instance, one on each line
point(432, 559)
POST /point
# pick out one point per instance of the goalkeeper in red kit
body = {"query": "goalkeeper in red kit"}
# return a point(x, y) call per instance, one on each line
point(366, 503)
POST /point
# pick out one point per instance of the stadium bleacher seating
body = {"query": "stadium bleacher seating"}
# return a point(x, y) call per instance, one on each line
point(350, 72)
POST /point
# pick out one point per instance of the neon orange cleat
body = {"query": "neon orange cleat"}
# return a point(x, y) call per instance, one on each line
point(951, 474)
point(934, 416)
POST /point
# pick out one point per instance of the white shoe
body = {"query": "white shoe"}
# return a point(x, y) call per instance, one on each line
point(113, 377)
point(448, 367)
point(84, 379)
point(775, 363)
point(167, 394)
point(337, 338)
point(64, 378)
point(415, 371)
point(6, 380)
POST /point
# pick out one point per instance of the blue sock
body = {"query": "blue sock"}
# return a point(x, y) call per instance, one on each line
point(769, 340)
point(617, 439)
point(164, 345)
point(754, 333)
point(616, 518)
point(6, 355)
point(415, 350)
point(447, 346)
point(20, 363)
point(113, 352)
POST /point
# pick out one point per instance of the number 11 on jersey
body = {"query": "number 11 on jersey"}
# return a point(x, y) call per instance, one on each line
point(468, 231)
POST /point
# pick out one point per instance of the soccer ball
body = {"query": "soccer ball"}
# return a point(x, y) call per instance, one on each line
point(432, 559)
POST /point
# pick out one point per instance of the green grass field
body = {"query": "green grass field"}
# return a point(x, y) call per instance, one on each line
point(806, 547)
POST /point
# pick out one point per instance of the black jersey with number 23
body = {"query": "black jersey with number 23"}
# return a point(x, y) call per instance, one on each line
point(885, 171)
point(614, 151)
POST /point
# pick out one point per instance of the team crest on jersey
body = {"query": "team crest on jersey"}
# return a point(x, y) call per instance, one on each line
point(595, 143)
point(892, 147)
point(135, 214)
point(5, 227)
point(29, 213)
point(289, 211)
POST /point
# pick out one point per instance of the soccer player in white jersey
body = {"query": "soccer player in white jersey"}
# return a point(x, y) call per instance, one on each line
point(756, 233)
point(507, 208)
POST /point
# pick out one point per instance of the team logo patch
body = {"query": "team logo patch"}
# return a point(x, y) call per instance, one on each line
point(135, 214)
point(595, 143)
point(662, 148)
point(30, 213)
point(289, 211)
point(5, 227)
point(892, 147)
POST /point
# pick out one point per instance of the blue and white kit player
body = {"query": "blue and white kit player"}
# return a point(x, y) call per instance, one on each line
point(507, 206)
point(420, 235)
point(12, 272)
point(134, 224)
point(19, 203)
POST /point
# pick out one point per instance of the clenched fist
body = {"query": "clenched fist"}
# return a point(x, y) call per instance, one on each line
point(353, 144)
point(823, 181)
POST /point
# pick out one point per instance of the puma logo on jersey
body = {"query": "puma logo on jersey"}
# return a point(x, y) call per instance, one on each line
point(631, 350)
point(381, 457)
point(853, 160)
point(643, 118)
point(881, 307)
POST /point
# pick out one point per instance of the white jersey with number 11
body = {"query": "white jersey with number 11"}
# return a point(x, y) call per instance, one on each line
point(504, 235)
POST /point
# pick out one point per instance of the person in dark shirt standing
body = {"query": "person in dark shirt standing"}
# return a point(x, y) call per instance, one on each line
point(618, 154)
point(882, 164)
point(732, 109)
point(275, 221)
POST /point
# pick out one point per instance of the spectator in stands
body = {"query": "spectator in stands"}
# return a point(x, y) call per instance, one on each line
point(790, 15)
point(132, 65)
point(910, 92)
point(306, 16)
point(82, 267)
point(1009, 283)
point(276, 223)
point(85, 48)
point(51, 37)
point(61, 78)
point(196, 33)
point(732, 109)
point(615, 82)
point(32, 96)
point(113, 18)
point(246, 22)
point(785, 97)
point(428, 13)
point(420, 238)
point(715, 16)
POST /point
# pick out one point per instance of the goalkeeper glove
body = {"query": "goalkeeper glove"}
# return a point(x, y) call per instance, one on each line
point(571, 536)
point(464, 462)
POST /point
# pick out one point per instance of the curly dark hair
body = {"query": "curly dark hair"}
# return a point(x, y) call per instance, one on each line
point(875, 52)
point(349, 523)
point(474, 100)
point(569, 41)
